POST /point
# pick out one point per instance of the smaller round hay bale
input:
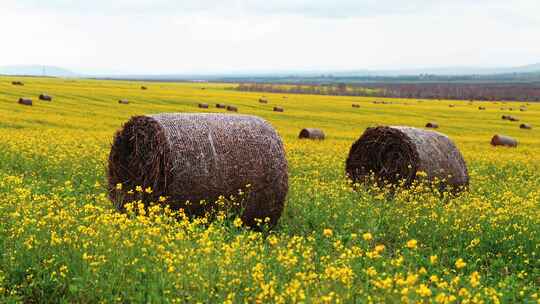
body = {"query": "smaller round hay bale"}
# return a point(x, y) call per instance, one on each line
point(525, 126)
point(481, 108)
point(278, 109)
point(203, 105)
point(220, 106)
point(45, 97)
point(144, 88)
point(232, 109)
point(123, 101)
point(263, 100)
point(355, 105)
point(502, 140)
point(522, 109)
point(311, 133)
point(451, 106)
point(432, 125)
point(394, 154)
point(25, 101)
point(513, 118)
point(19, 83)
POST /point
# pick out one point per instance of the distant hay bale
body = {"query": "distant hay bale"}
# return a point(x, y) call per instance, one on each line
point(232, 109)
point(25, 101)
point(311, 133)
point(502, 140)
point(45, 97)
point(355, 105)
point(278, 109)
point(191, 158)
point(144, 88)
point(505, 117)
point(432, 125)
point(220, 106)
point(19, 83)
point(525, 126)
point(513, 118)
point(522, 109)
point(203, 105)
point(263, 100)
point(123, 101)
point(395, 154)
point(481, 108)
point(451, 106)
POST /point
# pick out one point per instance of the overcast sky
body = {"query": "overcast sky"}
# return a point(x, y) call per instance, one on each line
point(205, 36)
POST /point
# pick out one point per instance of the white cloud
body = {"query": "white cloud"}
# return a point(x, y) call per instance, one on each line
point(165, 36)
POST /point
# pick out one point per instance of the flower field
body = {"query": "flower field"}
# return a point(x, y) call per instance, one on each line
point(61, 240)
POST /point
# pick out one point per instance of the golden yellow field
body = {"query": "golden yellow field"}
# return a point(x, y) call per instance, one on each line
point(62, 241)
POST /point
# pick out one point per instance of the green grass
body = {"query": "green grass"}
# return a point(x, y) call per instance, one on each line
point(61, 240)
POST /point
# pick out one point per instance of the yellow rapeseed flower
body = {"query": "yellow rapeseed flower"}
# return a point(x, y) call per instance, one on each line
point(460, 263)
point(412, 244)
point(328, 232)
point(367, 236)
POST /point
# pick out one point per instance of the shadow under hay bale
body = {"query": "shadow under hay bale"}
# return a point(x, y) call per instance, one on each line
point(525, 126)
point(123, 101)
point(311, 133)
point(355, 105)
point(220, 106)
point(502, 140)
point(232, 109)
point(432, 125)
point(200, 157)
point(45, 97)
point(203, 105)
point(278, 109)
point(25, 101)
point(262, 100)
point(398, 154)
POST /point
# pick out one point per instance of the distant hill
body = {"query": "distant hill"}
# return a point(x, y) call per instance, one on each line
point(36, 70)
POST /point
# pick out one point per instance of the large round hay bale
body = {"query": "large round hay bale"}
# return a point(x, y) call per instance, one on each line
point(232, 109)
point(196, 157)
point(203, 105)
point(311, 133)
point(25, 101)
point(502, 140)
point(123, 101)
point(395, 154)
point(432, 125)
point(278, 109)
point(525, 126)
point(451, 106)
point(220, 106)
point(45, 97)
point(263, 100)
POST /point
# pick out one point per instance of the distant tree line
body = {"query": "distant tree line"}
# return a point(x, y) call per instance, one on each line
point(461, 91)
